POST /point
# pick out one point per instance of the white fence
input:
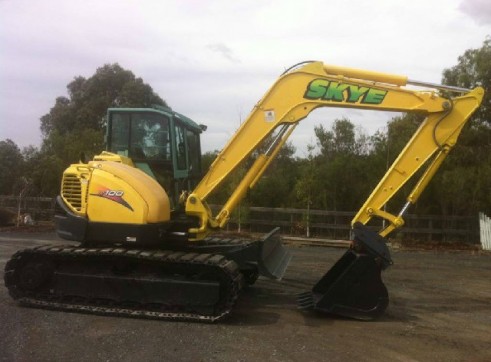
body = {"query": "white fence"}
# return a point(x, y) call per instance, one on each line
point(485, 231)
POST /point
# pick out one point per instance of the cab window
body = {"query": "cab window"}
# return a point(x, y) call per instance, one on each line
point(150, 137)
point(194, 152)
point(120, 133)
point(140, 136)
point(180, 147)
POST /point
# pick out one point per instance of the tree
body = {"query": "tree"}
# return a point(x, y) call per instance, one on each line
point(220, 195)
point(76, 123)
point(275, 187)
point(464, 183)
point(474, 69)
point(31, 168)
point(341, 139)
point(340, 168)
point(86, 106)
point(11, 166)
point(207, 159)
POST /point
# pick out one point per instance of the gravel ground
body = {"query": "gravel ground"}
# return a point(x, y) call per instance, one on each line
point(440, 310)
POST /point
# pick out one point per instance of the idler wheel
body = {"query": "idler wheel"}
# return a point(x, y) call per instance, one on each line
point(35, 275)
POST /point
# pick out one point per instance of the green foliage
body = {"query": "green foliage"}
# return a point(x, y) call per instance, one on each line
point(338, 172)
point(275, 186)
point(110, 86)
point(11, 166)
point(76, 123)
point(464, 182)
point(207, 159)
point(474, 69)
point(28, 169)
point(343, 138)
point(220, 196)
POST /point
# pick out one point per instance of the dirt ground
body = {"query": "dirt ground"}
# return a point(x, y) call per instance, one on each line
point(440, 310)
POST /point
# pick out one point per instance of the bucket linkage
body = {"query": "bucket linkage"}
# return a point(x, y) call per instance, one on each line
point(353, 287)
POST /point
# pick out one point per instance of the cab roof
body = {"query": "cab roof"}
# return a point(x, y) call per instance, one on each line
point(167, 111)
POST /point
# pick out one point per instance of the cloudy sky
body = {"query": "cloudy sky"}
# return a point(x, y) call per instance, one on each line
point(213, 59)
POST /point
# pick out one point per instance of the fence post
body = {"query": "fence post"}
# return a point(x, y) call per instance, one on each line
point(308, 218)
point(485, 231)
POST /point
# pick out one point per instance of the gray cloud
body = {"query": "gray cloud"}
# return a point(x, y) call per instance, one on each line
point(479, 10)
point(216, 65)
point(224, 51)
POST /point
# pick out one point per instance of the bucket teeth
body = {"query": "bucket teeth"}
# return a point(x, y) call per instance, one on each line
point(305, 300)
point(304, 296)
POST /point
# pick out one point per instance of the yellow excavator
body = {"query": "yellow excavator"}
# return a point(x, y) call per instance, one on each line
point(139, 210)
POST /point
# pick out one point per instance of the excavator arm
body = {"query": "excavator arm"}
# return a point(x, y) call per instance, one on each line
point(353, 287)
point(428, 147)
point(311, 85)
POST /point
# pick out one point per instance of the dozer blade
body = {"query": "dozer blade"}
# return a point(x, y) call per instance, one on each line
point(273, 256)
point(353, 287)
point(260, 257)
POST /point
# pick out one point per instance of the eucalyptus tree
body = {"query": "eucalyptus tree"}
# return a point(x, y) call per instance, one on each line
point(76, 122)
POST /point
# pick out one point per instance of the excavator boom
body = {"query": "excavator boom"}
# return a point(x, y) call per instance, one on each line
point(304, 88)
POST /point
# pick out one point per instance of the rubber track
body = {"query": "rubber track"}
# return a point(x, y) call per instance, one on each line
point(48, 301)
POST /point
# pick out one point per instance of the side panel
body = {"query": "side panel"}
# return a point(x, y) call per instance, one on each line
point(111, 199)
point(112, 192)
point(121, 193)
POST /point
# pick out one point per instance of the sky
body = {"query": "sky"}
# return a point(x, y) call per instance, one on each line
point(213, 60)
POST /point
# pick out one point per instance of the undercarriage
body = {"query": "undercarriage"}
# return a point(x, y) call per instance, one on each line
point(199, 282)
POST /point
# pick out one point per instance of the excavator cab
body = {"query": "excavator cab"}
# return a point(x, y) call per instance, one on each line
point(162, 143)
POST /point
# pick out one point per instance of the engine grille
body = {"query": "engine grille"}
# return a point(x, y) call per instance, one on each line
point(71, 190)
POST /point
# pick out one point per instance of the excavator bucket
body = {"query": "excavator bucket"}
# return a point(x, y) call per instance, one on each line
point(353, 287)
point(273, 256)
